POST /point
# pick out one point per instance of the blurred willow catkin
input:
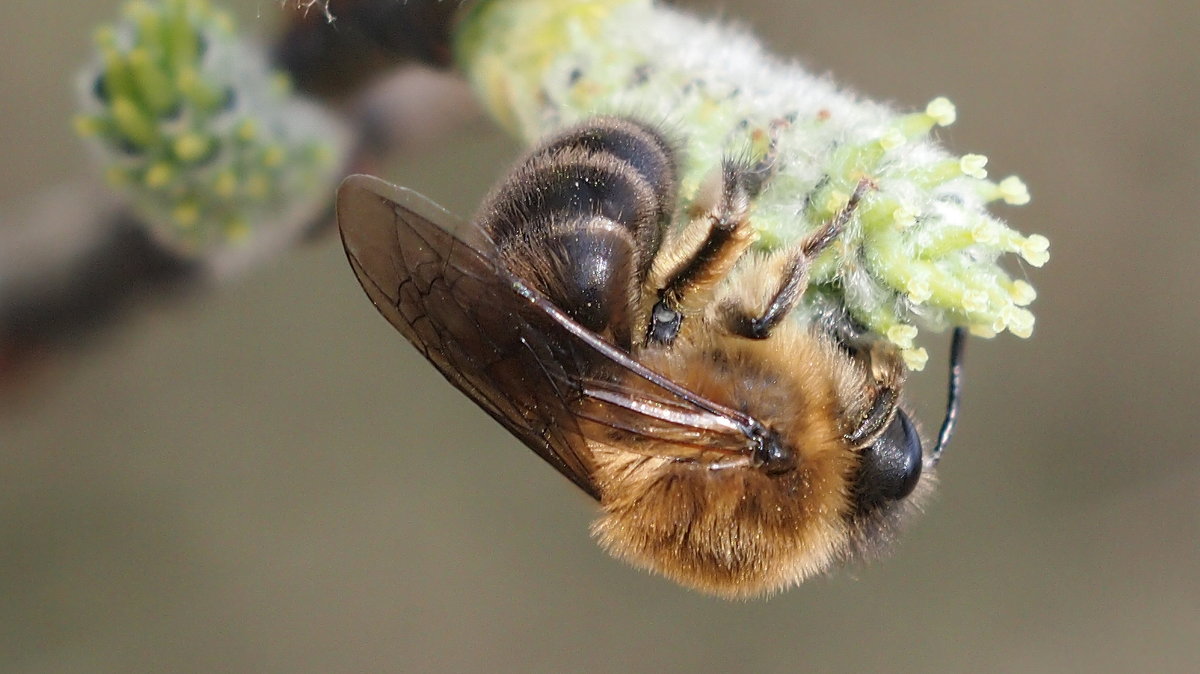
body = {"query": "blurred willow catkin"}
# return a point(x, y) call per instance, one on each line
point(215, 164)
point(203, 137)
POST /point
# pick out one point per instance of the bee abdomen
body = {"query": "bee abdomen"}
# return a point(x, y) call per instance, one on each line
point(639, 145)
point(592, 263)
point(611, 167)
point(582, 217)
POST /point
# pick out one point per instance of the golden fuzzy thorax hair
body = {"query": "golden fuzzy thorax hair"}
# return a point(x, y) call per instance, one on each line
point(732, 529)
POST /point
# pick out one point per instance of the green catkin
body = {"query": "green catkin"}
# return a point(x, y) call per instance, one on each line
point(193, 126)
point(922, 250)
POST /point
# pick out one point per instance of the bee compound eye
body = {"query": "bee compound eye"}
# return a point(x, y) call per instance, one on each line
point(890, 468)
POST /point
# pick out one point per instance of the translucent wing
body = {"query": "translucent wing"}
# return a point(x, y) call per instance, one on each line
point(519, 357)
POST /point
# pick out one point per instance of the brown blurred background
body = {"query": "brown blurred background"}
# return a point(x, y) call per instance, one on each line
point(267, 479)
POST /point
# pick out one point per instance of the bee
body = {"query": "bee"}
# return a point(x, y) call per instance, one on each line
point(732, 446)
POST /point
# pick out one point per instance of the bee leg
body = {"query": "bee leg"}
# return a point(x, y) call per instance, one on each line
point(754, 176)
point(888, 371)
point(795, 276)
point(879, 359)
point(689, 266)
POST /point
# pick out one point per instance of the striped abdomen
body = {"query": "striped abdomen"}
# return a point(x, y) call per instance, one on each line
point(581, 218)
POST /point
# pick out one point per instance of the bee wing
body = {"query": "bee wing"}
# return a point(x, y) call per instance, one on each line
point(515, 353)
point(456, 307)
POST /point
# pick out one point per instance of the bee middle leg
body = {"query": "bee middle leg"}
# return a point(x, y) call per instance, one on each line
point(690, 265)
point(794, 279)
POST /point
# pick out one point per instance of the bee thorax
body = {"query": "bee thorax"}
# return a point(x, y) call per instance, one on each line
point(735, 532)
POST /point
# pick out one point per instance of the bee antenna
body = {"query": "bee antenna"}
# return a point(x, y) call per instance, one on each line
point(954, 393)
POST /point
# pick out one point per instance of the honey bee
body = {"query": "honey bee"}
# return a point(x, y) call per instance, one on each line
point(732, 447)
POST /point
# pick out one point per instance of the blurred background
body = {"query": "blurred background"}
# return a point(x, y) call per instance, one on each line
point(266, 478)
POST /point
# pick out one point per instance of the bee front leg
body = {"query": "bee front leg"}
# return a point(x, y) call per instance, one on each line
point(794, 279)
point(888, 373)
point(689, 266)
point(879, 360)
